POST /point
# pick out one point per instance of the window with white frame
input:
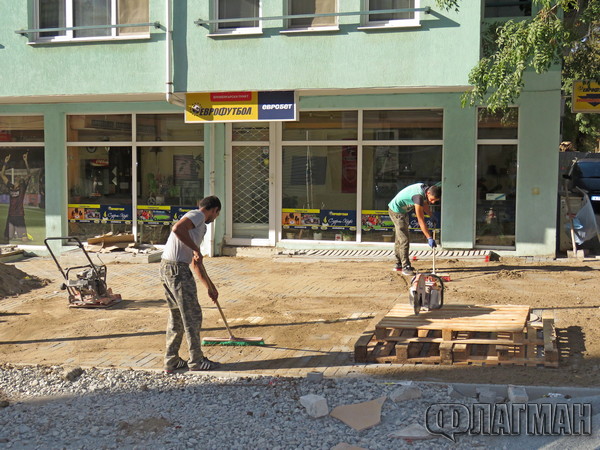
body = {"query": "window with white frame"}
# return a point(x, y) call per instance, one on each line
point(238, 9)
point(399, 18)
point(85, 13)
point(297, 7)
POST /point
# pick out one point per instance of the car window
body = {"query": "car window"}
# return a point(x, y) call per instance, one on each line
point(589, 169)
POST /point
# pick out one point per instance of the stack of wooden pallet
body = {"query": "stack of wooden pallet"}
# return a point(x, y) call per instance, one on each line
point(460, 334)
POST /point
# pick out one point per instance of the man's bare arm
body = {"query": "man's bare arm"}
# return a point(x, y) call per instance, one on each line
point(420, 213)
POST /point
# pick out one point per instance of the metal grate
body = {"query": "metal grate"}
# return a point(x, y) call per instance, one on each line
point(251, 185)
point(242, 132)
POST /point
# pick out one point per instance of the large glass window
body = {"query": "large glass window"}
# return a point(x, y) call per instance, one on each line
point(100, 190)
point(22, 180)
point(22, 194)
point(167, 127)
point(319, 192)
point(168, 180)
point(392, 125)
point(170, 183)
point(77, 13)
point(238, 9)
point(496, 179)
point(387, 169)
point(297, 7)
point(496, 194)
point(322, 126)
point(105, 128)
point(392, 18)
point(21, 129)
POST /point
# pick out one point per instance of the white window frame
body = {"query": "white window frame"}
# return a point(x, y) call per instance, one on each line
point(398, 23)
point(216, 30)
point(70, 34)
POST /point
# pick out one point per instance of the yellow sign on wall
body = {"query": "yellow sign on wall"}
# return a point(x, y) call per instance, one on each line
point(586, 97)
point(240, 106)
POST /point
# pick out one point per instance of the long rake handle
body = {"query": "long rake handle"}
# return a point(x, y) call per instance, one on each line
point(231, 336)
point(212, 286)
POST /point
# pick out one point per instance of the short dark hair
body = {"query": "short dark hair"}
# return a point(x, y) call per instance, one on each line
point(210, 202)
point(435, 190)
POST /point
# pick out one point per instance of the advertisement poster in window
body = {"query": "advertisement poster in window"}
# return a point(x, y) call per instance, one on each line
point(154, 215)
point(338, 219)
point(22, 196)
point(116, 214)
point(301, 219)
point(376, 220)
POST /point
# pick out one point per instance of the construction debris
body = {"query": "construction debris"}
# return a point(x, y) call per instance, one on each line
point(110, 242)
point(360, 416)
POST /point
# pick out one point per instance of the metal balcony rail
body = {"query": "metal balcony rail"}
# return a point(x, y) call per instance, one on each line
point(426, 10)
point(89, 27)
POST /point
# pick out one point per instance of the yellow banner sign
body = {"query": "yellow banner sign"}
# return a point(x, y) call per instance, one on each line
point(586, 97)
point(240, 106)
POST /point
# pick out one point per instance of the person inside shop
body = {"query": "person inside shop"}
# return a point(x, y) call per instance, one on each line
point(417, 196)
point(180, 260)
point(15, 220)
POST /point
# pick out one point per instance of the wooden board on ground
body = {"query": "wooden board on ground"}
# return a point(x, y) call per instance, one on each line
point(459, 334)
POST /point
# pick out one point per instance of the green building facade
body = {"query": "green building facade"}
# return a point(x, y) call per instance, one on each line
point(94, 138)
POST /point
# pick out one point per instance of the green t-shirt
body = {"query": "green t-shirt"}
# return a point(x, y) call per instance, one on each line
point(405, 200)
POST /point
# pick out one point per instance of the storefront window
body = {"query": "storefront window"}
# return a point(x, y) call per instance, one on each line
point(167, 127)
point(319, 192)
point(496, 194)
point(169, 175)
point(386, 171)
point(498, 125)
point(99, 128)
point(170, 183)
point(322, 126)
point(21, 129)
point(403, 124)
point(22, 195)
point(496, 178)
point(100, 191)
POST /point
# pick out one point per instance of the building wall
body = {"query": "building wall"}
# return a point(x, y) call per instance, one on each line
point(428, 67)
point(438, 53)
point(92, 68)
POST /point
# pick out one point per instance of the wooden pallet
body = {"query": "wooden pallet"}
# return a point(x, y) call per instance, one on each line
point(460, 334)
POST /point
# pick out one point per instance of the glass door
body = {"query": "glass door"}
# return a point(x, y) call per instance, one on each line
point(496, 194)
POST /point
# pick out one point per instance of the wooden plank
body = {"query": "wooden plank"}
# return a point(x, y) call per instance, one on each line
point(360, 347)
point(550, 347)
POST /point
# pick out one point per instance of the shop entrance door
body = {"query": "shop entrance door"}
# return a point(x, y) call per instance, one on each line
point(250, 174)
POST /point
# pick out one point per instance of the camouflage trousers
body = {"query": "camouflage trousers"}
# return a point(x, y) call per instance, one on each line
point(401, 242)
point(185, 314)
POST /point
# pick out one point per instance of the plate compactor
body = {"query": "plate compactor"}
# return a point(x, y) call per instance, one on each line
point(87, 289)
point(426, 291)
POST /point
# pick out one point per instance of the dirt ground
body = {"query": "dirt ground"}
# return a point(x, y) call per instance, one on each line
point(307, 311)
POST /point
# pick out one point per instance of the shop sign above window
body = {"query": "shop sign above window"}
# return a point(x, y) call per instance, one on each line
point(240, 106)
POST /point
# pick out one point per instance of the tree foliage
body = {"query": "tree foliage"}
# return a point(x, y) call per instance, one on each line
point(565, 32)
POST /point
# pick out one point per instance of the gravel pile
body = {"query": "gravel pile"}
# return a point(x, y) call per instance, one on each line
point(54, 407)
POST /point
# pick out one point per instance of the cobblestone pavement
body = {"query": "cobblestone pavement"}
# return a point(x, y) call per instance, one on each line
point(334, 359)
